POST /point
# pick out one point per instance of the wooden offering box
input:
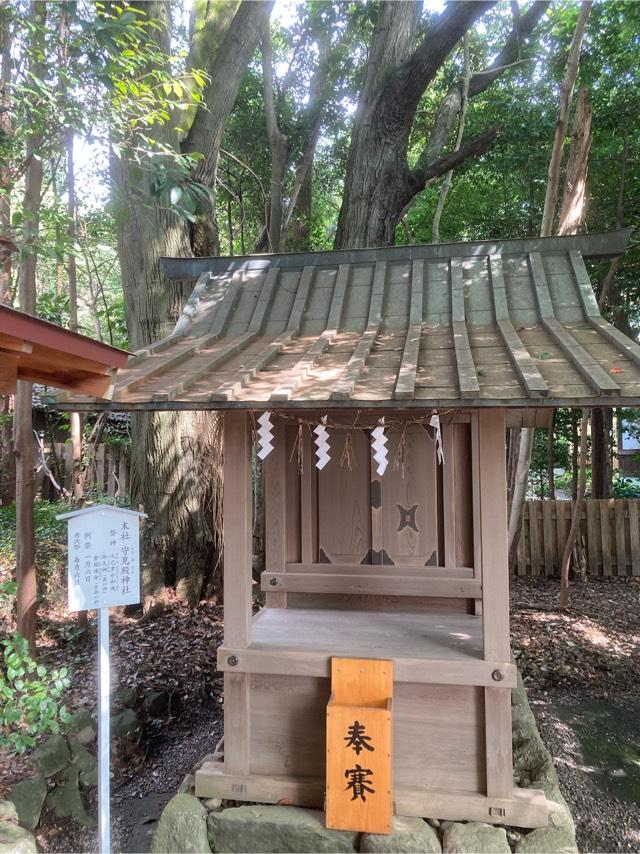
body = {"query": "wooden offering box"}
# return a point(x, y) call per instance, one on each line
point(407, 567)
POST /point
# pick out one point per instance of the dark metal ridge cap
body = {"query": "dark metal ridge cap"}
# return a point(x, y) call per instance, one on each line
point(603, 244)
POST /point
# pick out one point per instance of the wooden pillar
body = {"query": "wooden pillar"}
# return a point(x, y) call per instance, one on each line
point(449, 495)
point(275, 512)
point(308, 502)
point(238, 536)
point(492, 493)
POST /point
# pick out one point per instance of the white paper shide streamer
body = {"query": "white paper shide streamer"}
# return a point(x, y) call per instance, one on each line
point(434, 422)
point(379, 445)
point(265, 435)
point(322, 444)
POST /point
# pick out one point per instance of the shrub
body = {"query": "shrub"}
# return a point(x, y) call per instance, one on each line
point(30, 695)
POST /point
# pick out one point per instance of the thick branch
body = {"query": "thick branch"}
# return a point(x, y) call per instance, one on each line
point(420, 177)
point(450, 105)
point(446, 186)
point(523, 26)
point(417, 72)
point(226, 70)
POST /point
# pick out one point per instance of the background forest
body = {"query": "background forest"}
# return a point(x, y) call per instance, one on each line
point(136, 130)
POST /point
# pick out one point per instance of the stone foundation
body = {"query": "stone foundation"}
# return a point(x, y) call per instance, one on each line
point(191, 825)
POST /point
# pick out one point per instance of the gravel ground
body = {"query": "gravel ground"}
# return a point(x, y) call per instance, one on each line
point(581, 667)
point(605, 820)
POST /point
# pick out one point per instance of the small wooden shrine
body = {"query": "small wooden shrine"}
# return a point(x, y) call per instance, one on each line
point(380, 383)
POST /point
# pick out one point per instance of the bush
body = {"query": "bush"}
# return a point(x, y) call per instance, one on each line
point(30, 696)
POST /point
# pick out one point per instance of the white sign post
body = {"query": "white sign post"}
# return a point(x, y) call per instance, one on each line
point(103, 571)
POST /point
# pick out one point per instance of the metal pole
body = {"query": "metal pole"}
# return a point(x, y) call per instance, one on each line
point(104, 805)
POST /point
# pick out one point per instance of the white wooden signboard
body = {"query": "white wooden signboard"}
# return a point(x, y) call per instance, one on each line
point(103, 571)
point(104, 557)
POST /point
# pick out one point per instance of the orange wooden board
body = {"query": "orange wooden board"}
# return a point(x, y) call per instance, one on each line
point(359, 786)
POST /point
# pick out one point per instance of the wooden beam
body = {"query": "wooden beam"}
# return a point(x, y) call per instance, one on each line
point(299, 662)
point(527, 371)
point(351, 374)
point(228, 390)
point(8, 373)
point(238, 540)
point(235, 345)
point(467, 377)
point(308, 362)
point(406, 382)
point(582, 361)
point(375, 585)
point(11, 344)
point(418, 570)
point(526, 807)
point(628, 347)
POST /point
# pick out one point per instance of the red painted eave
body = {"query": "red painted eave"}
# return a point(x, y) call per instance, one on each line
point(37, 351)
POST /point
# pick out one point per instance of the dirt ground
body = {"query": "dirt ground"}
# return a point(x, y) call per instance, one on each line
point(581, 667)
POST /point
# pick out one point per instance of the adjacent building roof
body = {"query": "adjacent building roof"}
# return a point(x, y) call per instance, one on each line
point(508, 323)
point(37, 351)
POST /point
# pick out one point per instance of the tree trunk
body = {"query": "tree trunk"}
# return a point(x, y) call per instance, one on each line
point(601, 463)
point(551, 458)
point(577, 512)
point(174, 456)
point(572, 209)
point(27, 599)
point(519, 491)
point(379, 183)
point(279, 145)
point(613, 266)
point(7, 248)
point(566, 95)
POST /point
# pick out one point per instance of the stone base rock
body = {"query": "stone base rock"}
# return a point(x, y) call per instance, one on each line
point(8, 812)
point(475, 837)
point(549, 840)
point(28, 797)
point(65, 800)
point(52, 755)
point(275, 829)
point(182, 828)
point(408, 836)
point(16, 840)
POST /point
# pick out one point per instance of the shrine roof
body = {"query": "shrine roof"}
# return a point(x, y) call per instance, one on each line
point(34, 350)
point(510, 323)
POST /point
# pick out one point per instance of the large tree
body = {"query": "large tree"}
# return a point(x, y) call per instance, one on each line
point(168, 450)
point(379, 181)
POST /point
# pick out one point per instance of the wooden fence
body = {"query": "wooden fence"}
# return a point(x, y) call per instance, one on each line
point(107, 473)
point(610, 529)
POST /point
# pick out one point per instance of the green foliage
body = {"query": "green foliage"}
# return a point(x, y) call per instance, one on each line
point(30, 695)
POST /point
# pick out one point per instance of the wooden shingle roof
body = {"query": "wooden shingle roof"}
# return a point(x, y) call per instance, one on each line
point(511, 323)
